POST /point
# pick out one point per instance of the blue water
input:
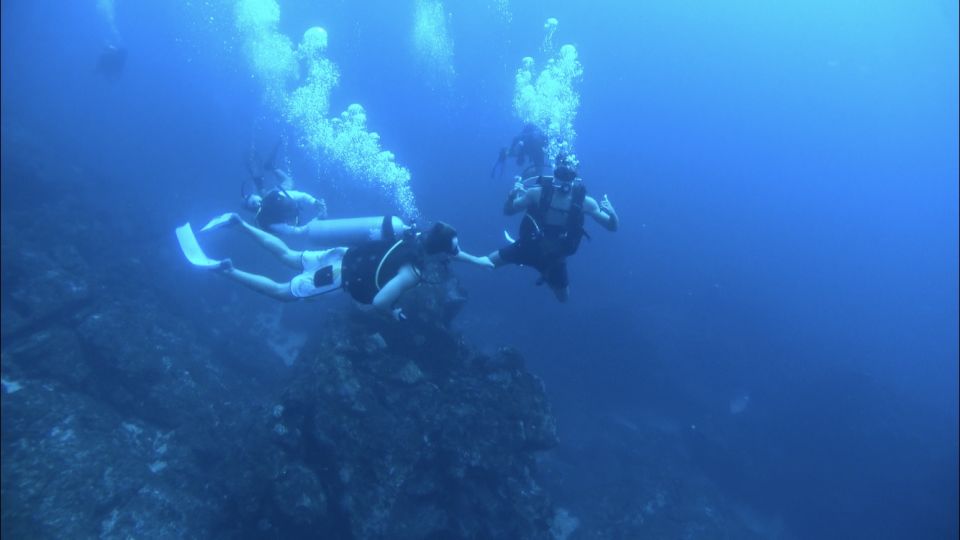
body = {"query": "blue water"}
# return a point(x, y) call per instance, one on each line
point(785, 173)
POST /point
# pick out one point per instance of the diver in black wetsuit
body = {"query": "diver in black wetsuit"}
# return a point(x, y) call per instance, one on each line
point(552, 226)
point(528, 148)
point(375, 273)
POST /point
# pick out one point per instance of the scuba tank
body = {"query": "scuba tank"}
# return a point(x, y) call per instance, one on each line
point(354, 231)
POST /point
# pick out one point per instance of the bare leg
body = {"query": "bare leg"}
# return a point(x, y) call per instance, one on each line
point(496, 259)
point(274, 245)
point(261, 284)
point(282, 230)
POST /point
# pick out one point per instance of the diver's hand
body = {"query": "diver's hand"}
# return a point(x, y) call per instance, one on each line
point(225, 265)
point(511, 205)
point(485, 262)
point(233, 220)
point(399, 315)
point(613, 221)
point(607, 207)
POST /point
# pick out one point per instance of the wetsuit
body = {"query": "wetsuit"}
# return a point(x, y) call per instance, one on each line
point(281, 207)
point(367, 268)
point(550, 233)
point(362, 270)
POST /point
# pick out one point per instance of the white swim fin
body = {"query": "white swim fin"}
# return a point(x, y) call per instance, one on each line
point(217, 222)
point(191, 249)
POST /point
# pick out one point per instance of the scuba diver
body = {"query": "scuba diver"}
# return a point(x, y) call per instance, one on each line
point(528, 146)
point(281, 211)
point(552, 227)
point(111, 61)
point(279, 208)
point(375, 273)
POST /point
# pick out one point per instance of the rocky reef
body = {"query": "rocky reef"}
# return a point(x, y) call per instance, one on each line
point(134, 407)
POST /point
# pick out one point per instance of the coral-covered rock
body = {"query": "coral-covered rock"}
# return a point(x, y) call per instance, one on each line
point(75, 468)
point(411, 451)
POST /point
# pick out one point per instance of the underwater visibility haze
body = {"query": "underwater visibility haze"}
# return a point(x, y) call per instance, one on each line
point(759, 336)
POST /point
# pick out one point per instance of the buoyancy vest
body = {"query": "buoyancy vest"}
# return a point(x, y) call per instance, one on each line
point(368, 267)
point(556, 228)
point(278, 207)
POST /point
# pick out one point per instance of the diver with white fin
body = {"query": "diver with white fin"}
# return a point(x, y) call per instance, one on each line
point(552, 226)
point(376, 272)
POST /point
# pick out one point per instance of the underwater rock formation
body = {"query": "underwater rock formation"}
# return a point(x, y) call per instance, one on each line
point(132, 407)
point(415, 436)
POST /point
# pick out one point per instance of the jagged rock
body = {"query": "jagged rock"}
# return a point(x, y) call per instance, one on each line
point(299, 495)
point(42, 289)
point(439, 298)
point(374, 343)
point(450, 455)
point(410, 373)
point(76, 469)
point(54, 353)
point(506, 359)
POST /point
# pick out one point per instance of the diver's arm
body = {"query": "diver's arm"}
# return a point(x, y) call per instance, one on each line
point(406, 279)
point(602, 213)
point(286, 230)
point(303, 198)
point(519, 199)
point(286, 181)
point(484, 261)
point(271, 243)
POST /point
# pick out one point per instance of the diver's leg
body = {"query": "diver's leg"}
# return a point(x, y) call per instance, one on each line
point(557, 279)
point(511, 254)
point(515, 253)
point(261, 284)
point(562, 294)
point(274, 245)
point(282, 230)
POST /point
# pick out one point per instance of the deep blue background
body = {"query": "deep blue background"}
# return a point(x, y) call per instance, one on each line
point(786, 174)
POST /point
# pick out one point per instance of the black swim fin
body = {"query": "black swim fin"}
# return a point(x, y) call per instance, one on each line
point(256, 176)
point(271, 163)
point(501, 160)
